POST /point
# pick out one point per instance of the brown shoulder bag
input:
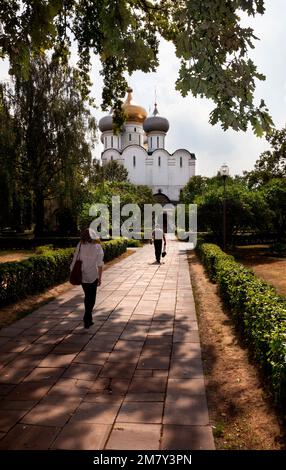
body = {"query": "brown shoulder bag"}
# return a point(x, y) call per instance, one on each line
point(76, 272)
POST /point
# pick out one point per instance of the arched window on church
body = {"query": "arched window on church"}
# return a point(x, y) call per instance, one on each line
point(105, 141)
point(157, 142)
point(111, 158)
point(151, 142)
point(181, 162)
point(111, 141)
point(159, 161)
point(134, 161)
point(129, 137)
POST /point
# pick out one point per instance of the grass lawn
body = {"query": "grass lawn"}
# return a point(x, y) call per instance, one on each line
point(14, 255)
point(270, 268)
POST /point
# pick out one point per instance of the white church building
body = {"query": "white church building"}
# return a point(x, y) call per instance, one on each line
point(140, 148)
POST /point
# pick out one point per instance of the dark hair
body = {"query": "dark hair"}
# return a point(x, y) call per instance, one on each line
point(85, 236)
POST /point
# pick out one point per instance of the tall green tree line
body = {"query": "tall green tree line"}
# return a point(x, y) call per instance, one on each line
point(52, 132)
point(256, 202)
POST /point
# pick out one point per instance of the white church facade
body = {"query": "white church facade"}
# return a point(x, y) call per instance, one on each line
point(140, 148)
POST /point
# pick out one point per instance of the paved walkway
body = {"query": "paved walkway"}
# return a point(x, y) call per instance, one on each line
point(132, 381)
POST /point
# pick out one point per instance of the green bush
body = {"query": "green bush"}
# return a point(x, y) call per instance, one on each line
point(210, 254)
point(20, 279)
point(114, 248)
point(257, 309)
point(133, 243)
point(41, 250)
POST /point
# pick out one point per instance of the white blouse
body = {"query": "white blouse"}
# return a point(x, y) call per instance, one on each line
point(91, 255)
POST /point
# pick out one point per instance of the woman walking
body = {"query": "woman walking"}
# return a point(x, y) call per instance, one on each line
point(90, 253)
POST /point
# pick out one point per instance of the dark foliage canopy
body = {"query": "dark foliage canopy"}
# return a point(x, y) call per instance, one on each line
point(208, 36)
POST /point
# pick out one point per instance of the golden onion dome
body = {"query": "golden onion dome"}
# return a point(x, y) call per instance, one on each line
point(134, 112)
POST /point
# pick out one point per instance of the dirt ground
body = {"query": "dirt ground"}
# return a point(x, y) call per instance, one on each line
point(240, 411)
point(271, 269)
point(12, 255)
point(13, 312)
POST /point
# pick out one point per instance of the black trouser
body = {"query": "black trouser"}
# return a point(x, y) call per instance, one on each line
point(89, 299)
point(158, 249)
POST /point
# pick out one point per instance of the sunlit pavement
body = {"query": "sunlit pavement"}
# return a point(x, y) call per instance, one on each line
point(134, 380)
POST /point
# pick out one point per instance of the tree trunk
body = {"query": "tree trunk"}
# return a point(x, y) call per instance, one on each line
point(39, 213)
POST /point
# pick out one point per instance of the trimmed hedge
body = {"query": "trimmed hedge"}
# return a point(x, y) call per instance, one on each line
point(114, 248)
point(18, 279)
point(134, 243)
point(257, 310)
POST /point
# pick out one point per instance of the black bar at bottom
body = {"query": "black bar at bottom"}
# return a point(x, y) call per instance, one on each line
point(129, 459)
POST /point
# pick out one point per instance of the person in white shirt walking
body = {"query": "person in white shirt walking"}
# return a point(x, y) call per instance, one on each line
point(158, 238)
point(90, 252)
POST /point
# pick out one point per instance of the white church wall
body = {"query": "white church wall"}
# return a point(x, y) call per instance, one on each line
point(111, 154)
point(184, 167)
point(160, 170)
point(156, 140)
point(133, 135)
point(111, 140)
point(147, 161)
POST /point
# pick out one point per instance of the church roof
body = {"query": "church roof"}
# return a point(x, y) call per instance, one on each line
point(148, 152)
point(134, 112)
point(156, 122)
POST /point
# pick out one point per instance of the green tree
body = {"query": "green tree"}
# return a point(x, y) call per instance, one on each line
point(112, 171)
point(246, 210)
point(272, 163)
point(55, 133)
point(102, 193)
point(275, 195)
point(195, 187)
point(7, 162)
point(208, 36)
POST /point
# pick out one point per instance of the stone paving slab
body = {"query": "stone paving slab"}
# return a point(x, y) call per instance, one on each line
point(25, 437)
point(134, 380)
point(82, 436)
point(134, 436)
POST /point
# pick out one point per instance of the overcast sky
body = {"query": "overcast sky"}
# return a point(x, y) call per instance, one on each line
point(188, 117)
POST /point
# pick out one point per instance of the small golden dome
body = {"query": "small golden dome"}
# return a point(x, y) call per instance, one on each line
point(134, 112)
